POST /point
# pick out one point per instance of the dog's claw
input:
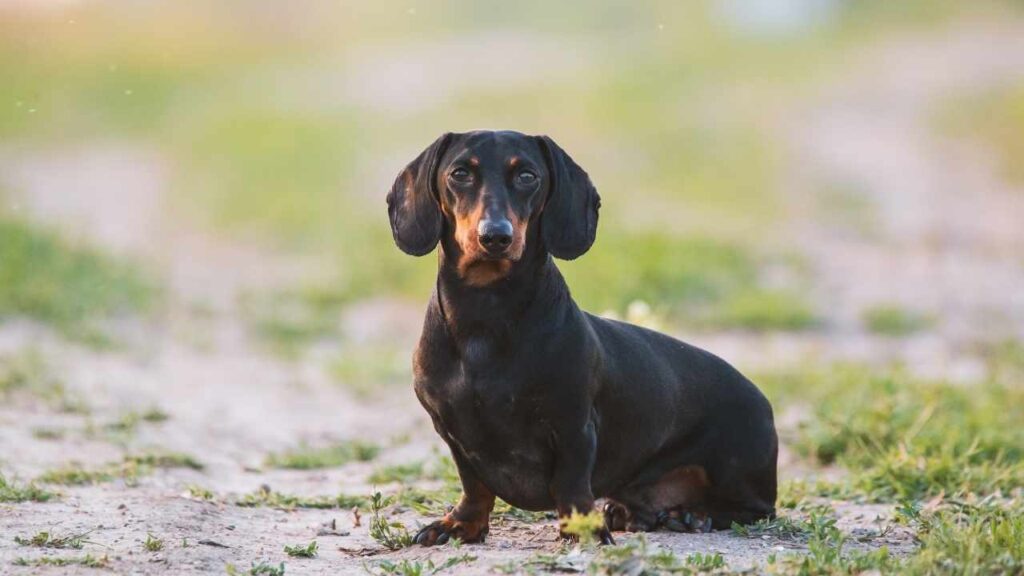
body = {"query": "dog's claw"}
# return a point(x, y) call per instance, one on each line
point(431, 534)
point(441, 532)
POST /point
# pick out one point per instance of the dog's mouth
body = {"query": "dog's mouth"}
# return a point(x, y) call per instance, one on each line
point(485, 270)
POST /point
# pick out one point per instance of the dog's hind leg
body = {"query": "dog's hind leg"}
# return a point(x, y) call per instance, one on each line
point(643, 508)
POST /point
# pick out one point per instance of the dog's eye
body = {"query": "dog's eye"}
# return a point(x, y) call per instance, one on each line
point(526, 177)
point(460, 175)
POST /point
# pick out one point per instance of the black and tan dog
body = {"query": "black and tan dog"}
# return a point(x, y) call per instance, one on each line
point(542, 404)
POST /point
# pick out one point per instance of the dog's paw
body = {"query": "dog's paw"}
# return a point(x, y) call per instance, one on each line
point(615, 516)
point(686, 521)
point(443, 530)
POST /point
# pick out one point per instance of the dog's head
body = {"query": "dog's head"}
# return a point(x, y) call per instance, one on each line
point(491, 197)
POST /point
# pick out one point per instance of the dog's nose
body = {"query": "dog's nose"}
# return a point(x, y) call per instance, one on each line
point(495, 235)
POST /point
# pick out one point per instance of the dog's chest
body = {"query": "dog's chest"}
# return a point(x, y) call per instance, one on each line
point(481, 388)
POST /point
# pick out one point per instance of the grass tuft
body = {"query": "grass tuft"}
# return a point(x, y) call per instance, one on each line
point(152, 543)
point(257, 569)
point(583, 527)
point(308, 551)
point(47, 539)
point(11, 493)
point(393, 535)
point(310, 458)
point(87, 561)
point(129, 469)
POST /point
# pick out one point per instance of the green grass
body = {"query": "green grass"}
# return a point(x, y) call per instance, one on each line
point(764, 310)
point(390, 534)
point(129, 469)
point(635, 556)
point(400, 473)
point(12, 493)
point(47, 539)
point(826, 554)
point(152, 543)
point(995, 118)
point(44, 277)
point(655, 268)
point(264, 496)
point(889, 320)
point(257, 569)
point(87, 561)
point(308, 551)
point(906, 438)
point(129, 422)
point(330, 456)
point(974, 538)
point(407, 567)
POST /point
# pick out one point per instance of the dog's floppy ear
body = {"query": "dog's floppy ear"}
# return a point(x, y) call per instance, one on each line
point(569, 220)
point(413, 203)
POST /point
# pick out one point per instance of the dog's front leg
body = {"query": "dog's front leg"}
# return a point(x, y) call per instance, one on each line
point(470, 518)
point(575, 453)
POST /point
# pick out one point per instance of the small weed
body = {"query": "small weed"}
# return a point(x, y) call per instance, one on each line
point(11, 493)
point(392, 535)
point(308, 551)
point(781, 527)
point(638, 557)
point(87, 561)
point(705, 562)
point(200, 493)
point(309, 458)
point(152, 543)
point(416, 567)
point(825, 554)
point(47, 539)
point(894, 321)
point(257, 569)
point(583, 527)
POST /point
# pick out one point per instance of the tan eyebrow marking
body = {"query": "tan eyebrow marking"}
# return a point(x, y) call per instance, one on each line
point(474, 161)
point(513, 161)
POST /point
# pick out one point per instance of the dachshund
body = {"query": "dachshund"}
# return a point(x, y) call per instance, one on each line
point(542, 404)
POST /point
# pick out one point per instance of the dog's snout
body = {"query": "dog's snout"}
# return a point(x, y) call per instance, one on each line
point(495, 235)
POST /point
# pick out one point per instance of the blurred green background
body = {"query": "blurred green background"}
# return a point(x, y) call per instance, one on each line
point(280, 126)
